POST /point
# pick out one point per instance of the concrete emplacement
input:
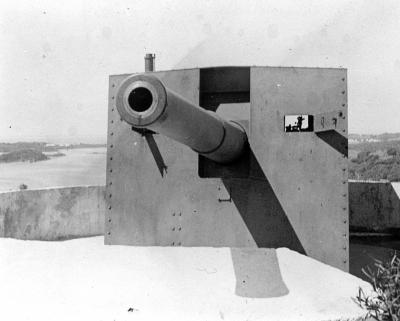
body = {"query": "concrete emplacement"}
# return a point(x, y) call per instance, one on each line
point(74, 212)
point(251, 273)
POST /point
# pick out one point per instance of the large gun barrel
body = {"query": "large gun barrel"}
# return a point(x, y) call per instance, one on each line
point(144, 102)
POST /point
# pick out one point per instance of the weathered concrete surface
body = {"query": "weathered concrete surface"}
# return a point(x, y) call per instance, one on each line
point(374, 206)
point(52, 214)
point(61, 213)
point(84, 280)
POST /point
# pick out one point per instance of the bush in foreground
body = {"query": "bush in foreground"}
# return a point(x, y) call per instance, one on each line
point(384, 303)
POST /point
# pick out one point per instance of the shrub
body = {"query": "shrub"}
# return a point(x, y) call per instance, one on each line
point(363, 156)
point(392, 151)
point(384, 303)
point(23, 186)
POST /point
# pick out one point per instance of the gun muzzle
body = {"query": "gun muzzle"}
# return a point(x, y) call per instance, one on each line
point(144, 102)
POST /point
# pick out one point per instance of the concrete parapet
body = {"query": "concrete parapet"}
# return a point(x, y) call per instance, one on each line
point(52, 214)
point(69, 212)
point(374, 206)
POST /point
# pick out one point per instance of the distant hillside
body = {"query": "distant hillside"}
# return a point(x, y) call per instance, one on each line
point(23, 155)
point(43, 146)
point(365, 138)
point(375, 160)
point(39, 146)
point(374, 146)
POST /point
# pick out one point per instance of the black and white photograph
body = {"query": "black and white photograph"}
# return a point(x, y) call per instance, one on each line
point(199, 160)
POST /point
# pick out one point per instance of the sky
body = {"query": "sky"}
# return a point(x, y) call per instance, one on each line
point(56, 56)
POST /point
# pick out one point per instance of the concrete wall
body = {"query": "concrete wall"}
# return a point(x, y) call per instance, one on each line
point(62, 213)
point(374, 206)
point(52, 214)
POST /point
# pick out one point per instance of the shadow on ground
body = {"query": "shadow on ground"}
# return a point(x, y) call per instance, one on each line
point(257, 273)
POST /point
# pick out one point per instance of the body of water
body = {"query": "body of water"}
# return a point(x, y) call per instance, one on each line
point(86, 166)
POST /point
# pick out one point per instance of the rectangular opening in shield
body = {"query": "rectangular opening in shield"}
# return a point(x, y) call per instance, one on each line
point(299, 123)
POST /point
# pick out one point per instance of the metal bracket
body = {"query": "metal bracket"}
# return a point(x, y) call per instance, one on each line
point(225, 199)
point(328, 121)
point(143, 131)
point(331, 127)
point(148, 135)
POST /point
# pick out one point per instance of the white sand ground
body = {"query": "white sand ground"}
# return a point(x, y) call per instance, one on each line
point(85, 280)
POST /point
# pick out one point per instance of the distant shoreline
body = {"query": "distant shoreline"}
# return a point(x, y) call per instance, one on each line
point(44, 146)
point(37, 151)
point(80, 166)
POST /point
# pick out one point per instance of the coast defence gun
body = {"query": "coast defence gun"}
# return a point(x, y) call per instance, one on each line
point(229, 157)
point(145, 103)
